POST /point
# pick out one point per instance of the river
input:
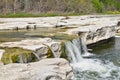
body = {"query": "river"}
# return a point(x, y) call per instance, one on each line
point(103, 65)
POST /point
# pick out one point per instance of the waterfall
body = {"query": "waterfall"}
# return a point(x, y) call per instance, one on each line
point(21, 59)
point(36, 55)
point(70, 52)
point(76, 49)
point(73, 50)
point(85, 52)
point(77, 43)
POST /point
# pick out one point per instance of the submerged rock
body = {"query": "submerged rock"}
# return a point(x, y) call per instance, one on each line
point(46, 69)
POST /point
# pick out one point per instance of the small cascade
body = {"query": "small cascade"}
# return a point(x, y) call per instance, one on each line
point(70, 52)
point(104, 67)
point(21, 59)
point(73, 50)
point(76, 49)
point(77, 43)
point(36, 55)
point(85, 52)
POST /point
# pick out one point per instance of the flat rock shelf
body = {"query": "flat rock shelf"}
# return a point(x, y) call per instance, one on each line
point(23, 41)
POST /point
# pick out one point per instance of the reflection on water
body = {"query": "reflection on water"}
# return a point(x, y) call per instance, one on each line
point(15, 35)
point(11, 36)
point(109, 51)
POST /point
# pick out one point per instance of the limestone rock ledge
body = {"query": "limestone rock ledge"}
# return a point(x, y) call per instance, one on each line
point(40, 46)
point(102, 29)
point(46, 69)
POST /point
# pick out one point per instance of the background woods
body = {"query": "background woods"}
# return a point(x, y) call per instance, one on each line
point(58, 6)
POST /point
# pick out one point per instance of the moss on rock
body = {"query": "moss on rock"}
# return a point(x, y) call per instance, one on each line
point(17, 55)
point(50, 54)
point(63, 51)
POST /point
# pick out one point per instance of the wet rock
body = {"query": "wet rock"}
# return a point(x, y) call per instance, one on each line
point(17, 55)
point(39, 45)
point(118, 24)
point(46, 69)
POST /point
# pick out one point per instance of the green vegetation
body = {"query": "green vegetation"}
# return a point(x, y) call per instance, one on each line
point(60, 36)
point(50, 54)
point(43, 8)
point(98, 5)
point(63, 51)
point(14, 55)
point(112, 12)
point(11, 15)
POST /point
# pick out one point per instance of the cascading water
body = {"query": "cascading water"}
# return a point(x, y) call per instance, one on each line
point(74, 50)
point(36, 55)
point(98, 67)
point(85, 52)
point(21, 59)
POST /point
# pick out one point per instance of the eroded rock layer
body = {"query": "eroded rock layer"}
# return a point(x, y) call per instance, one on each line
point(46, 69)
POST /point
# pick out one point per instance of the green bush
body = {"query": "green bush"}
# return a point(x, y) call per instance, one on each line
point(98, 5)
point(38, 8)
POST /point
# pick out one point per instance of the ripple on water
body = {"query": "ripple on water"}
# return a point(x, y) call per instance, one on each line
point(90, 69)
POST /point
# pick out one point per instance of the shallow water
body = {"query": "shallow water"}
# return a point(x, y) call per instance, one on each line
point(15, 35)
point(109, 51)
point(104, 65)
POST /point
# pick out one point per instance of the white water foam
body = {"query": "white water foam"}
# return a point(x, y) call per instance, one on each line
point(90, 65)
point(117, 36)
point(85, 49)
point(90, 69)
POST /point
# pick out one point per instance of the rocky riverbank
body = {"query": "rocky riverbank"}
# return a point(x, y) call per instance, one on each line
point(65, 21)
point(92, 29)
point(46, 69)
point(39, 46)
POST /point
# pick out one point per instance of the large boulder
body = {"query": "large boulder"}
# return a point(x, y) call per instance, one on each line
point(46, 69)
